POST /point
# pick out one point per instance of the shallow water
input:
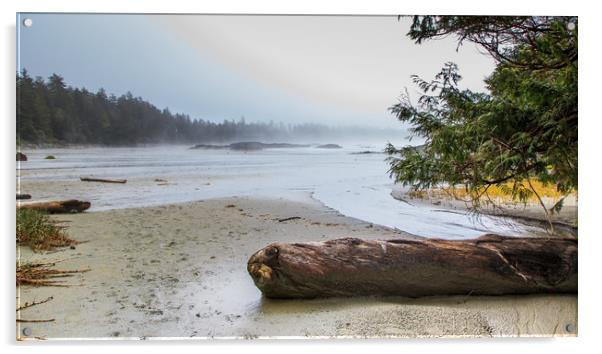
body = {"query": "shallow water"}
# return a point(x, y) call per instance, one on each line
point(357, 185)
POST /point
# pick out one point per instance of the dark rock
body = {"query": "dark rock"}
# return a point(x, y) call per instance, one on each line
point(366, 152)
point(283, 146)
point(248, 146)
point(209, 147)
point(21, 156)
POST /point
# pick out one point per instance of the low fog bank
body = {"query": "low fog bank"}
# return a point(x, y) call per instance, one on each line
point(311, 134)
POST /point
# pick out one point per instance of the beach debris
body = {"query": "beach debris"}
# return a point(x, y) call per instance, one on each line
point(488, 265)
point(26, 331)
point(39, 274)
point(43, 274)
point(102, 180)
point(290, 218)
point(21, 156)
point(35, 321)
point(230, 206)
point(50, 157)
point(56, 206)
point(23, 196)
point(33, 303)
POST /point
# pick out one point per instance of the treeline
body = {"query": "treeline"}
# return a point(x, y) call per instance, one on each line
point(49, 111)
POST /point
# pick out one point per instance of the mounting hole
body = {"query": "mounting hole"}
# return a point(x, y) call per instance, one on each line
point(571, 328)
point(570, 26)
point(26, 331)
point(28, 22)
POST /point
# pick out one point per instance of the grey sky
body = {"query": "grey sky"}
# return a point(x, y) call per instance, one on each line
point(334, 70)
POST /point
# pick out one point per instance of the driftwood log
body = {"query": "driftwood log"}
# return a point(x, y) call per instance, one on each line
point(102, 180)
point(57, 206)
point(488, 265)
point(23, 196)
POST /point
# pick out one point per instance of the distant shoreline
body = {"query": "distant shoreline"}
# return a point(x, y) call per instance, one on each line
point(29, 146)
point(191, 145)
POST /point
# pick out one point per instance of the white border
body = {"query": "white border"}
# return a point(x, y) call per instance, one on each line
point(589, 294)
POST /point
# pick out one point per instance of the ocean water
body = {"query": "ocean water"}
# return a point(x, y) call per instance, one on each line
point(357, 185)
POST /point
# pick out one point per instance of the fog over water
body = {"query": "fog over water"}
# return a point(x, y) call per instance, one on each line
point(357, 185)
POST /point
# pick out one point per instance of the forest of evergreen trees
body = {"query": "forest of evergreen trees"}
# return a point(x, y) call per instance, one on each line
point(50, 112)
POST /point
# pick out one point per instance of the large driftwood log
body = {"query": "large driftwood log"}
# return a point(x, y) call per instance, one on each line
point(57, 206)
point(488, 265)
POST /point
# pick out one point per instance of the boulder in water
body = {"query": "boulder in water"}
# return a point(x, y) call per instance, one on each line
point(329, 146)
point(21, 156)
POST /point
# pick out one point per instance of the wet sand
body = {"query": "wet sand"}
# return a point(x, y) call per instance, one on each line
point(531, 214)
point(180, 271)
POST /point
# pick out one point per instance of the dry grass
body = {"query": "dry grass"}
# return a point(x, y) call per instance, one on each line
point(36, 230)
point(499, 194)
point(43, 274)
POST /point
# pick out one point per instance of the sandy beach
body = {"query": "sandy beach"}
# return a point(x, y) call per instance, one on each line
point(179, 270)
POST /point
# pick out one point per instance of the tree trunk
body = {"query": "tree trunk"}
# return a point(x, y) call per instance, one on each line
point(89, 179)
point(58, 206)
point(488, 265)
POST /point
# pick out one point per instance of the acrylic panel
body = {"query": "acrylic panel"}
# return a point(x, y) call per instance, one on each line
point(287, 176)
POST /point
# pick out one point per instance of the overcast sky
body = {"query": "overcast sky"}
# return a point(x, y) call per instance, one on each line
point(337, 70)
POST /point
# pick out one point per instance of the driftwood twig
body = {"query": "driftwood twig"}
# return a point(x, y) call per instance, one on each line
point(102, 180)
point(288, 219)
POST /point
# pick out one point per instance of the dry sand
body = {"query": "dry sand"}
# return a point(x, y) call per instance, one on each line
point(180, 271)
